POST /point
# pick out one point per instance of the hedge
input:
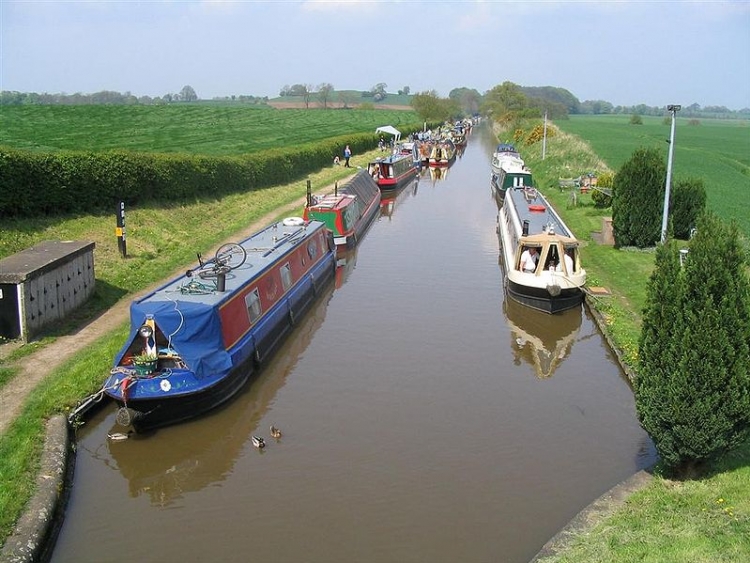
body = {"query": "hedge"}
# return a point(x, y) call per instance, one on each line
point(33, 184)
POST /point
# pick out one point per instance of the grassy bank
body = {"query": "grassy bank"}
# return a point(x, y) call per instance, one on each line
point(704, 520)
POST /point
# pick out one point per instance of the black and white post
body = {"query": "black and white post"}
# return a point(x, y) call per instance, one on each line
point(673, 109)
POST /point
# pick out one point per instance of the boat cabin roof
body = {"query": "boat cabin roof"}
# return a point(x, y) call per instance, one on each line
point(545, 238)
point(263, 250)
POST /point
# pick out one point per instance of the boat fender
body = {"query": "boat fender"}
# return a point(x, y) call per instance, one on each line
point(126, 416)
point(554, 290)
point(293, 222)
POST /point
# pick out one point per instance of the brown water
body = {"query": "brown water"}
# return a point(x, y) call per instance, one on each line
point(424, 419)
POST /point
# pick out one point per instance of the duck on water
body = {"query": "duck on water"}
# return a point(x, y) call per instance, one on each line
point(540, 255)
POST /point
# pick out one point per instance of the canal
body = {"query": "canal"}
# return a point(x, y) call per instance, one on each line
point(423, 418)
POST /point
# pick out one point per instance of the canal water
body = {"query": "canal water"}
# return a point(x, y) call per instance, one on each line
point(424, 418)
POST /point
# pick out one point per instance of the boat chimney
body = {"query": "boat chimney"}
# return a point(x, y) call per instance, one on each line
point(525, 229)
point(309, 193)
point(221, 282)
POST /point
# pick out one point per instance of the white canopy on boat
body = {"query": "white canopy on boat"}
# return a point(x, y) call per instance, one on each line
point(391, 131)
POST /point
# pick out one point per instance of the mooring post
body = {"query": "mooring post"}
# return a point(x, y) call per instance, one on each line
point(120, 230)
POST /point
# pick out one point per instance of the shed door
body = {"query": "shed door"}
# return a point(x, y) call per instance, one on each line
point(9, 325)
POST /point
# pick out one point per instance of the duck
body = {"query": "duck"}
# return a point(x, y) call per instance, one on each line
point(258, 442)
point(275, 432)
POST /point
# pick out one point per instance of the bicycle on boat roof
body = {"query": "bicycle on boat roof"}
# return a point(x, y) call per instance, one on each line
point(228, 257)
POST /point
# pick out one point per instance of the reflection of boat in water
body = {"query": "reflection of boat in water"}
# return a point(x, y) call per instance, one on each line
point(204, 451)
point(540, 340)
point(438, 173)
point(390, 199)
point(345, 263)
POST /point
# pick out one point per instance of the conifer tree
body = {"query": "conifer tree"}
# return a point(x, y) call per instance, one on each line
point(693, 385)
point(638, 199)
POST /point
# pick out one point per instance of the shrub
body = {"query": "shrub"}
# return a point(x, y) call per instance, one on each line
point(600, 198)
point(692, 390)
point(687, 203)
point(638, 199)
point(636, 119)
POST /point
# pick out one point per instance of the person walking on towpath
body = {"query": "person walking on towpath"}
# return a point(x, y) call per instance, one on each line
point(347, 156)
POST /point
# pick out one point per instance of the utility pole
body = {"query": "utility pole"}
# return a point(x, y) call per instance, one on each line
point(544, 139)
point(674, 109)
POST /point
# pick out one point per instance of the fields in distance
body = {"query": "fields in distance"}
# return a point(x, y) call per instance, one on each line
point(206, 129)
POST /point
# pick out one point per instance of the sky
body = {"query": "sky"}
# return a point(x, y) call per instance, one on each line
point(623, 52)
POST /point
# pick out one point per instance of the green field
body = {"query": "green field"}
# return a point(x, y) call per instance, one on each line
point(207, 129)
point(717, 151)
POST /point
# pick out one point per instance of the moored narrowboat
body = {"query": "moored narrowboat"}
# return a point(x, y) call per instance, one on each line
point(540, 255)
point(348, 211)
point(504, 153)
point(195, 341)
point(511, 174)
point(443, 153)
point(393, 171)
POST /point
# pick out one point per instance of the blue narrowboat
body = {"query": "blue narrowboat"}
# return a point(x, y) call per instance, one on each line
point(196, 340)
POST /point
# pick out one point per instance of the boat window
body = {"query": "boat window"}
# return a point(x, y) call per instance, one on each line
point(312, 249)
point(286, 276)
point(529, 259)
point(571, 253)
point(553, 258)
point(252, 302)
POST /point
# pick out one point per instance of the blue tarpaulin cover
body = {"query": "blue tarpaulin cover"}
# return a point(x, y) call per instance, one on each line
point(193, 331)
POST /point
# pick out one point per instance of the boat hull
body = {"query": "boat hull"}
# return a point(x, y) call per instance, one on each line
point(539, 298)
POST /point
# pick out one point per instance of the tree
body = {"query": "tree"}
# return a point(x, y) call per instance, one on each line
point(505, 102)
point(638, 199)
point(467, 99)
point(346, 99)
point(325, 90)
point(688, 202)
point(430, 107)
point(692, 390)
point(187, 94)
point(306, 92)
point(379, 88)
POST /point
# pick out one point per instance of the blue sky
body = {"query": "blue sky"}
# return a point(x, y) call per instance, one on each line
point(626, 52)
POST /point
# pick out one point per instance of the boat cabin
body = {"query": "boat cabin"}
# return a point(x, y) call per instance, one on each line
point(554, 253)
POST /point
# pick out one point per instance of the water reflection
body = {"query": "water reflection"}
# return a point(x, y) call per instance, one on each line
point(540, 340)
point(437, 173)
point(188, 457)
point(390, 199)
point(346, 261)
